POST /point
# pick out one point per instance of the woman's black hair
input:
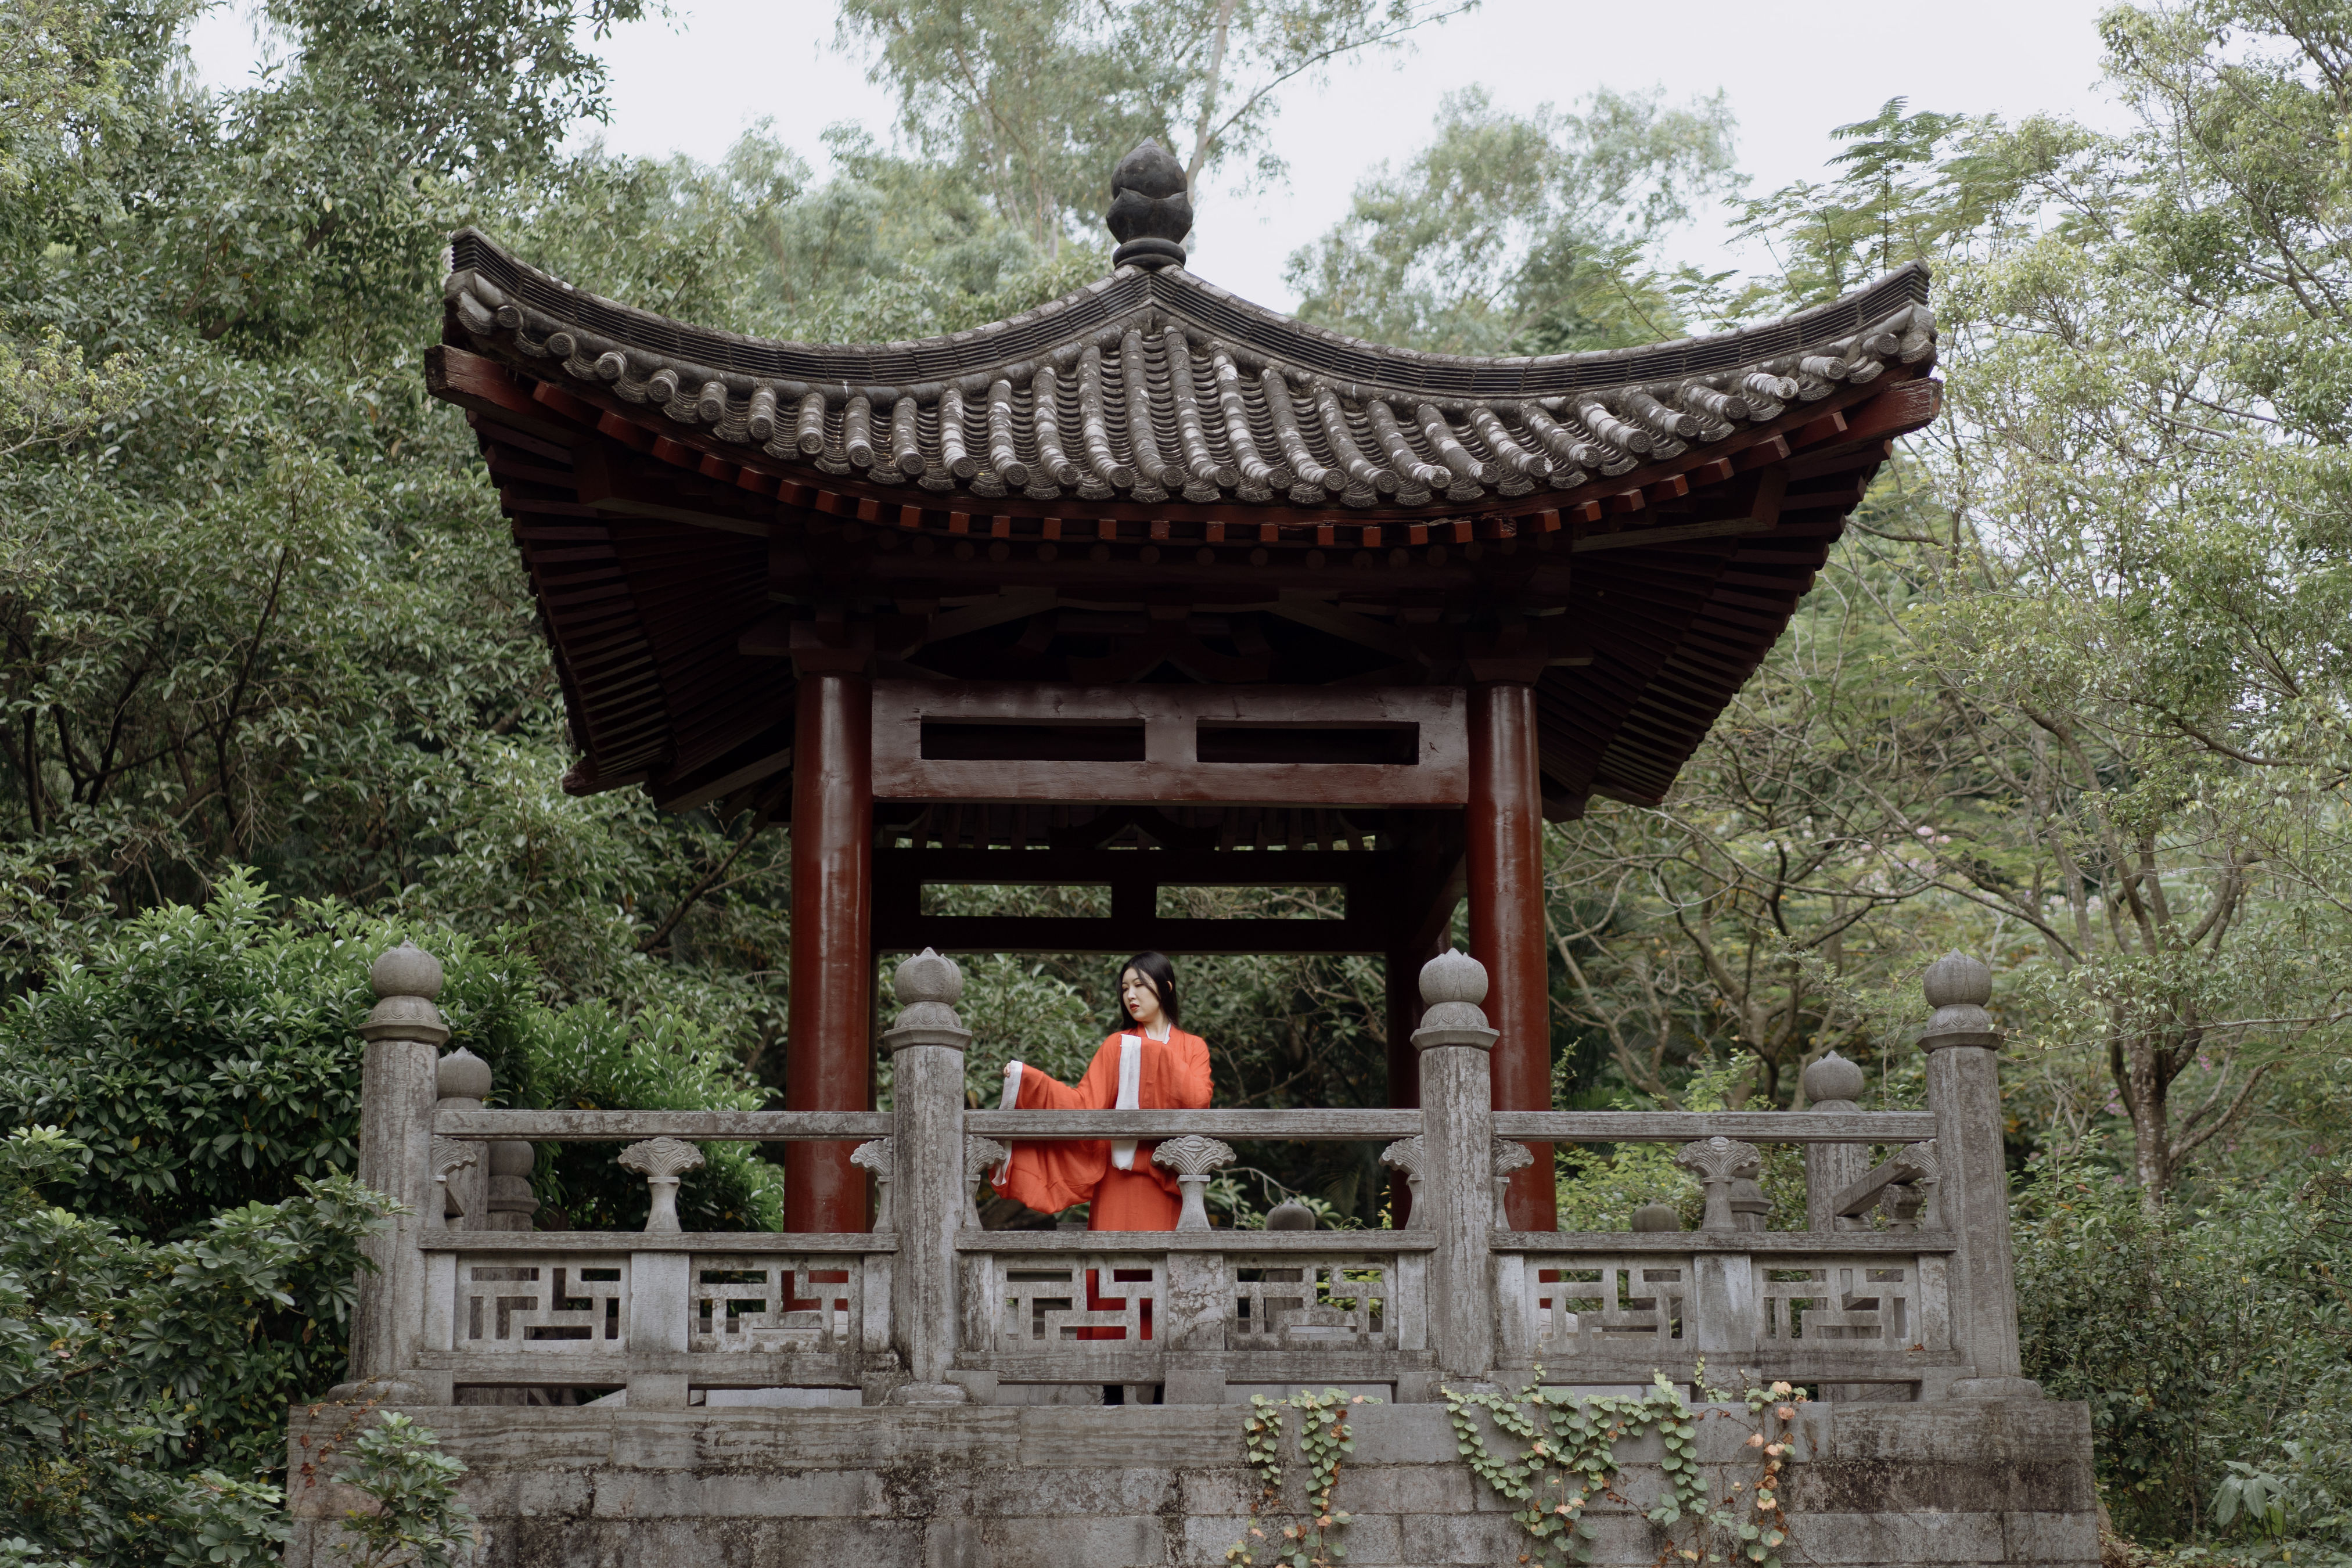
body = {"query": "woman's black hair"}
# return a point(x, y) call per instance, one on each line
point(1154, 967)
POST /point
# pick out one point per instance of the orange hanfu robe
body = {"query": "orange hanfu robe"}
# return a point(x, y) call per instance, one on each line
point(1125, 1189)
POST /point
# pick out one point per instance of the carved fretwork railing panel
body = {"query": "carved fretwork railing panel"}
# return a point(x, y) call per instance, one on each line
point(1884, 1303)
point(1300, 1303)
point(525, 1302)
point(1577, 1302)
point(753, 1302)
point(1046, 1301)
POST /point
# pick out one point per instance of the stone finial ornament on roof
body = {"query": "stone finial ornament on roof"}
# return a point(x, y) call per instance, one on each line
point(1150, 212)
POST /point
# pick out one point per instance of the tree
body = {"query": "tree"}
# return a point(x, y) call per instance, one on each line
point(1533, 234)
point(1038, 101)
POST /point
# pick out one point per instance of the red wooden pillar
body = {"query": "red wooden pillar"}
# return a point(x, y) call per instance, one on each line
point(827, 1053)
point(1505, 852)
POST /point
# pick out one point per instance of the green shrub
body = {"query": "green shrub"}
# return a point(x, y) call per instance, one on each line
point(2209, 1343)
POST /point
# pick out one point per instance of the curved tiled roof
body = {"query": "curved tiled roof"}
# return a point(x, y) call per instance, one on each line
point(1150, 384)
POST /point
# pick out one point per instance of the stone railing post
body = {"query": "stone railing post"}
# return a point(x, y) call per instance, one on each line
point(398, 1085)
point(1973, 1175)
point(1457, 1131)
point(1832, 1085)
point(929, 1191)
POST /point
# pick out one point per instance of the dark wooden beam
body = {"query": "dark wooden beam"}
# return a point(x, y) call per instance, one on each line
point(1123, 934)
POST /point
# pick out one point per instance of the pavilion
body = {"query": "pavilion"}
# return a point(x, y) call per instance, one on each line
point(1153, 587)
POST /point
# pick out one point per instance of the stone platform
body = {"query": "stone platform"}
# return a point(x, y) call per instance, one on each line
point(1873, 1485)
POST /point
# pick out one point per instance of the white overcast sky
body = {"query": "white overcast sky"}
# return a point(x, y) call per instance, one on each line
point(693, 82)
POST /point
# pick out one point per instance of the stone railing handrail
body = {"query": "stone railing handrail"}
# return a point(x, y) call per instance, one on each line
point(1684, 1127)
point(696, 1126)
point(1725, 1241)
point(1295, 1126)
point(847, 1244)
point(1319, 1242)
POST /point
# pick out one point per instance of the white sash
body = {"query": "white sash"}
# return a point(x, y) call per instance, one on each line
point(1130, 1095)
point(1010, 1101)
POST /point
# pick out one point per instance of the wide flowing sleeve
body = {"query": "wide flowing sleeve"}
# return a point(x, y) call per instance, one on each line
point(1051, 1175)
point(1192, 1089)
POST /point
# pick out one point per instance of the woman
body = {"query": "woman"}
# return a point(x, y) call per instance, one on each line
point(1149, 1065)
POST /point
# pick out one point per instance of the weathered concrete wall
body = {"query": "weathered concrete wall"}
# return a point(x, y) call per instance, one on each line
point(1876, 1486)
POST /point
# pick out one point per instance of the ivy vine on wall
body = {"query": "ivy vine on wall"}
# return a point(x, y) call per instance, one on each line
point(1567, 1458)
point(1323, 1440)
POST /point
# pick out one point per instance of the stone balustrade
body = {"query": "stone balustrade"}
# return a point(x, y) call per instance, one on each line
point(1899, 1288)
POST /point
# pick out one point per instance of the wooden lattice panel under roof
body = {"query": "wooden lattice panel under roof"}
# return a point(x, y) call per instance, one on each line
point(1153, 480)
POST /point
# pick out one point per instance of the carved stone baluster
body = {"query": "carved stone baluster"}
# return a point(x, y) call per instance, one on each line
point(450, 1155)
point(462, 1081)
point(1509, 1156)
point(1718, 1163)
point(1411, 1156)
point(1905, 1199)
point(1194, 1159)
point(1194, 1299)
point(660, 1282)
point(980, 1155)
point(512, 1203)
point(663, 1162)
point(1724, 1313)
point(874, 1156)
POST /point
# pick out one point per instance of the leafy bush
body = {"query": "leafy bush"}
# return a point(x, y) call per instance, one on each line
point(205, 1063)
point(417, 1520)
point(137, 1379)
point(2210, 1345)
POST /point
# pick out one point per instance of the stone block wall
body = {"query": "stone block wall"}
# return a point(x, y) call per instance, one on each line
point(1872, 1486)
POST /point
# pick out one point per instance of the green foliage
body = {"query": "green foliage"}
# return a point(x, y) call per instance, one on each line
point(1035, 101)
point(1516, 234)
point(2208, 1341)
point(1323, 1443)
point(418, 1520)
point(137, 1380)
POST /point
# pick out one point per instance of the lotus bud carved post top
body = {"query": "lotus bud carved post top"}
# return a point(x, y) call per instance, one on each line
point(1194, 1159)
point(1148, 588)
point(663, 1162)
